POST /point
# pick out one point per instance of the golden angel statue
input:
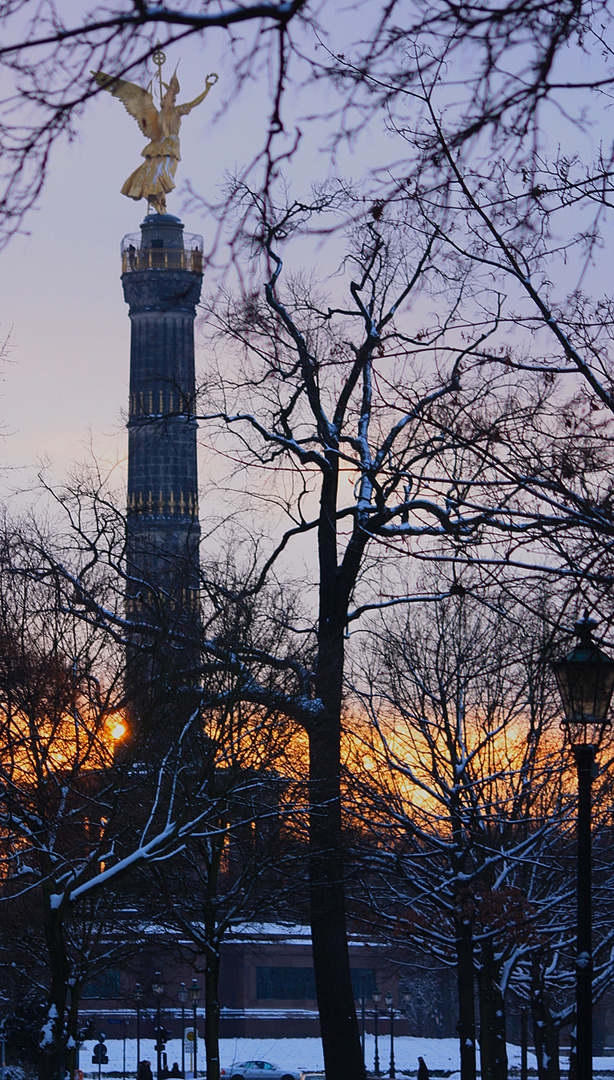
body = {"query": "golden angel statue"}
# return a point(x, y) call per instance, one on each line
point(156, 176)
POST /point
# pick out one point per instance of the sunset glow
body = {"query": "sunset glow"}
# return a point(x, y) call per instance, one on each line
point(118, 729)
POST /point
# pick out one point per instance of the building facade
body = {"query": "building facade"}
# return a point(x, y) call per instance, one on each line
point(266, 990)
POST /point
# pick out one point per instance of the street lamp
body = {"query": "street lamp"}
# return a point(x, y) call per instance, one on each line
point(377, 997)
point(585, 678)
point(157, 988)
point(194, 993)
point(182, 994)
point(138, 1000)
point(390, 1004)
point(363, 1001)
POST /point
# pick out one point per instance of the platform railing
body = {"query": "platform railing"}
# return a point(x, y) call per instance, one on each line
point(134, 259)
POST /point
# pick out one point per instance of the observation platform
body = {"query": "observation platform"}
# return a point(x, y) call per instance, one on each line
point(162, 244)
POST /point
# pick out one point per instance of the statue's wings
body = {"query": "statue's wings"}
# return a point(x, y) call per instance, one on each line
point(136, 100)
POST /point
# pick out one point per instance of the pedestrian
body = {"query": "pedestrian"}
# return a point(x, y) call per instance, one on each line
point(175, 1069)
point(423, 1073)
point(144, 1071)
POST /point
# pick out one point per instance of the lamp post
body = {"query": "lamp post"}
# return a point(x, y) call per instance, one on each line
point(182, 994)
point(524, 1048)
point(363, 1001)
point(138, 999)
point(157, 988)
point(194, 993)
point(377, 997)
point(585, 678)
point(125, 1021)
point(390, 1004)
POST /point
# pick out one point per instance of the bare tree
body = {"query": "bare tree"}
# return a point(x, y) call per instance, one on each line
point(508, 240)
point(77, 817)
point(242, 862)
point(471, 794)
point(467, 808)
point(328, 391)
point(509, 63)
point(59, 790)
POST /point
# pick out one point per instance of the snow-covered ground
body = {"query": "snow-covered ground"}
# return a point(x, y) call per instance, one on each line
point(290, 1053)
point(440, 1055)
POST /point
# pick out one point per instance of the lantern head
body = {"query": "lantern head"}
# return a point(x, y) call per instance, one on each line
point(585, 678)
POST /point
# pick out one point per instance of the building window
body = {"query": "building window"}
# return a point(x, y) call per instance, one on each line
point(363, 982)
point(103, 986)
point(298, 983)
point(285, 983)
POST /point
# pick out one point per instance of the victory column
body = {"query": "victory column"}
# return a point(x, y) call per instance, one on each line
point(161, 277)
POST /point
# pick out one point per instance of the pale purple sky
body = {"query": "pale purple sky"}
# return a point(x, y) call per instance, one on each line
point(62, 303)
point(67, 375)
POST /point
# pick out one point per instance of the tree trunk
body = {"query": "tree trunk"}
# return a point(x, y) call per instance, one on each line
point(72, 1031)
point(493, 1049)
point(573, 1057)
point(341, 1044)
point(51, 1045)
point(212, 1011)
point(331, 962)
point(466, 1003)
point(545, 1034)
point(338, 1021)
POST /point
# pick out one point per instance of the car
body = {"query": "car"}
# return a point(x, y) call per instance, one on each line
point(261, 1070)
